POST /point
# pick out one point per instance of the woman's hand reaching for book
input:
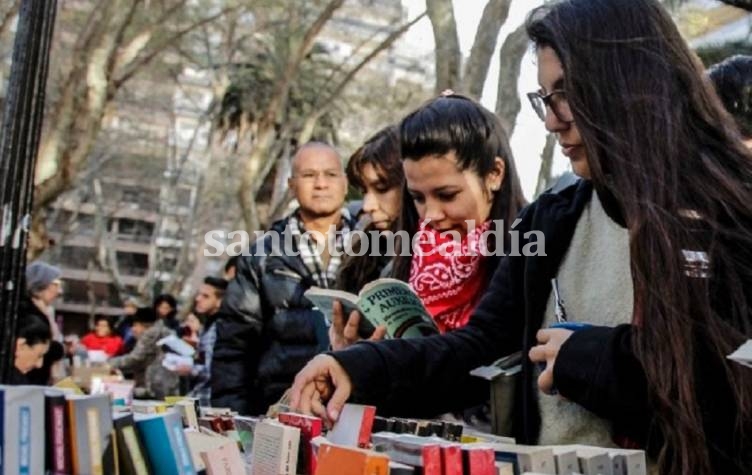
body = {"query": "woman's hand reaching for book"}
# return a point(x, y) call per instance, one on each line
point(550, 342)
point(321, 389)
point(344, 331)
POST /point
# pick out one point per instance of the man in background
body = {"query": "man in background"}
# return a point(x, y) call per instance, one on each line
point(205, 307)
point(267, 330)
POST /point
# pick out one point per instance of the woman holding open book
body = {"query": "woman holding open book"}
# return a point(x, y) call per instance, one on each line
point(375, 169)
point(648, 135)
point(461, 194)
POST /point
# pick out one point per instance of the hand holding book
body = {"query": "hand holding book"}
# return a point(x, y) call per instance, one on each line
point(347, 330)
point(387, 302)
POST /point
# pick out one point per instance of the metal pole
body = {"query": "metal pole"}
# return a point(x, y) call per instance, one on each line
point(19, 140)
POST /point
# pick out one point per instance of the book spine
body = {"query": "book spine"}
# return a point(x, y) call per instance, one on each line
point(133, 451)
point(364, 437)
point(431, 455)
point(451, 459)
point(181, 444)
point(24, 440)
point(159, 448)
point(59, 456)
point(95, 442)
point(290, 453)
point(310, 427)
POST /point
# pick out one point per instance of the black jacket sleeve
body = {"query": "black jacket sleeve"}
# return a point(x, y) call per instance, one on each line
point(239, 324)
point(427, 376)
point(596, 368)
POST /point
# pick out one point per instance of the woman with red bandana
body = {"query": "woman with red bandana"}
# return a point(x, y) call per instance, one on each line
point(460, 184)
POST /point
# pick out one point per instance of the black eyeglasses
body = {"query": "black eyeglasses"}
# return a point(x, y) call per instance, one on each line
point(556, 100)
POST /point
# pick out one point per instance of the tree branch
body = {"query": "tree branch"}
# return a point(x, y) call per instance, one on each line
point(133, 67)
point(8, 15)
point(322, 107)
point(476, 69)
point(448, 53)
point(280, 92)
point(510, 59)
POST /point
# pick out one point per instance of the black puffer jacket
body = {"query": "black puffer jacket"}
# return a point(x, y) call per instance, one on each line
point(266, 330)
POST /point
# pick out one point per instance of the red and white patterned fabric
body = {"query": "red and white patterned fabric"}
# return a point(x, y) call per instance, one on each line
point(447, 274)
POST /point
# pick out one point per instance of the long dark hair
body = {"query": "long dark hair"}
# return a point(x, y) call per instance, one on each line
point(459, 124)
point(382, 151)
point(658, 141)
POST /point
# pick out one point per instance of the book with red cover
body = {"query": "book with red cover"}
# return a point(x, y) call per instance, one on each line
point(478, 461)
point(310, 427)
point(58, 456)
point(353, 428)
point(451, 459)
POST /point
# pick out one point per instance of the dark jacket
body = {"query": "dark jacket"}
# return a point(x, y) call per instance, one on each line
point(40, 376)
point(266, 330)
point(595, 368)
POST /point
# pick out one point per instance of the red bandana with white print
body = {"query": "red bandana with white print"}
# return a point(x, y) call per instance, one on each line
point(447, 274)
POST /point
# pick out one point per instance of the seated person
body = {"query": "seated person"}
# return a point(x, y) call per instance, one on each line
point(33, 338)
point(103, 338)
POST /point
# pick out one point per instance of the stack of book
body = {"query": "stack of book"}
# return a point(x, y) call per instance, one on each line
point(94, 434)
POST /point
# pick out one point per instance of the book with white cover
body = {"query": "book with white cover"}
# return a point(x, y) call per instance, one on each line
point(275, 448)
point(177, 345)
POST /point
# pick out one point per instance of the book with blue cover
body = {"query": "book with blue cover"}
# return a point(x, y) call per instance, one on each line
point(23, 426)
point(165, 443)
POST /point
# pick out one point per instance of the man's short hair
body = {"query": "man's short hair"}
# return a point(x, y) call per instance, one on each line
point(219, 284)
point(145, 316)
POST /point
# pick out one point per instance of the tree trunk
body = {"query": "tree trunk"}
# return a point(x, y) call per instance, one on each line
point(547, 160)
point(476, 69)
point(448, 53)
point(510, 59)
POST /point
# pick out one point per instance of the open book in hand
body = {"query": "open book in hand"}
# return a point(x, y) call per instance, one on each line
point(388, 302)
point(743, 354)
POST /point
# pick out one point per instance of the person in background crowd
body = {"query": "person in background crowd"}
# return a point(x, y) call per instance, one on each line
point(166, 308)
point(628, 102)
point(266, 329)
point(152, 380)
point(190, 330)
point(206, 305)
point(103, 338)
point(732, 79)
point(43, 286)
point(33, 337)
point(231, 266)
point(375, 169)
point(123, 325)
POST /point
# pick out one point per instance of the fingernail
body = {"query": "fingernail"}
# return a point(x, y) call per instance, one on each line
point(334, 414)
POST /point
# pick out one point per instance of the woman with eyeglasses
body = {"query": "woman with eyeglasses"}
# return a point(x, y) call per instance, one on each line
point(656, 151)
